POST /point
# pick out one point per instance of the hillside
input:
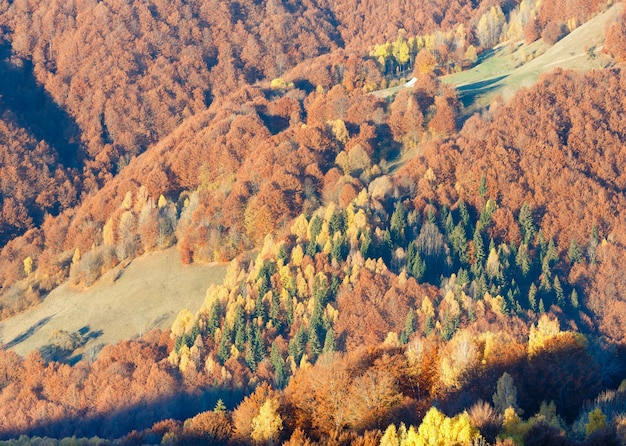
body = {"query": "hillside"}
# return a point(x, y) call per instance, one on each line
point(124, 304)
point(513, 66)
point(257, 250)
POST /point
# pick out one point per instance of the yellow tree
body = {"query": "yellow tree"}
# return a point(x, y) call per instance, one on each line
point(266, 426)
point(597, 421)
point(438, 430)
point(490, 27)
point(400, 52)
point(382, 53)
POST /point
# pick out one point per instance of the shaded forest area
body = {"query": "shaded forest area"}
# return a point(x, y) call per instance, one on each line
point(476, 286)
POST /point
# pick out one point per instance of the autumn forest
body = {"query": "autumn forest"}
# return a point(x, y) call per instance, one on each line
point(406, 266)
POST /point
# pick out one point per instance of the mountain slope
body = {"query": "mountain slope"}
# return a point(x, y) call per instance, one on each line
point(127, 302)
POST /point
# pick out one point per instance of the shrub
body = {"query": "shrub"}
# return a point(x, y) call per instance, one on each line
point(552, 33)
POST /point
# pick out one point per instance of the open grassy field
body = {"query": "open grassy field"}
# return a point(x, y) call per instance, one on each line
point(123, 304)
point(509, 67)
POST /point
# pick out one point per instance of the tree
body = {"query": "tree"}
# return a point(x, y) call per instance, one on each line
point(279, 365)
point(527, 225)
point(28, 265)
point(479, 248)
point(398, 224)
point(400, 52)
point(425, 63)
point(409, 327)
point(438, 430)
point(266, 426)
point(522, 259)
point(490, 27)
point(597, 421)
point(506, 394)
point(329, 341)
point(574, 254)
point(444, 121)
point(372, 396)
point(532, 297)
point(552, 33)
point(615, 43)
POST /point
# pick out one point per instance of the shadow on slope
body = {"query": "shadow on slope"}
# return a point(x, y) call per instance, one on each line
point(118, 423)
point(32, 108)
point(28, 333)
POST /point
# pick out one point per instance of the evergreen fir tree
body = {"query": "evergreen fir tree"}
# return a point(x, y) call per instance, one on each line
point(239, 327)
point(258, 344)
point(213, 321)
point(297, 345)
point(259, 309)
point(397, 227)
point(558, 291)
point(316, 329)
point(482, 187)
point(574, 299)
point(409, 327)
point(249, 356)
point(464, 213)
point(526, 223)
point(462, 277)
point(449, 224)
point(532, 297)
point(458, 241)
point(275, 311)
point(574, 253)
point(479, 247)
point(522, 259)
point(289, 306)
point(337, 222)
point(279, 366)
point(223, 351)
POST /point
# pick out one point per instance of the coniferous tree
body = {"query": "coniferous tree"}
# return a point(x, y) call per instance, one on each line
point(278, 363)
point(213, 321)
point(297, 345)
point(409, 327)
point(274, 313)
point(574, 253)
point(316, 330)
point(532, 297)
point(258, 344)
point(458, 241)
point(574, 299)
point(415, 265)
point(397, 228)
point(249, 356)
point(482, 187)
point(464, 213)
point(522, 259)
point(223, 351)
point(558, 291)
point(526, 223)
point(239, 327)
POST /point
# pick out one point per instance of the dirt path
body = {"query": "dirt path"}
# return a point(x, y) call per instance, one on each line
point(123, 304)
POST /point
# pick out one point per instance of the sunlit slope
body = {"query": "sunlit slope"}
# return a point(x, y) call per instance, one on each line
point(511, 67)
point(123, 304)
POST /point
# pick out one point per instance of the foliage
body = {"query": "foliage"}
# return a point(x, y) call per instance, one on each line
point(381, 284)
